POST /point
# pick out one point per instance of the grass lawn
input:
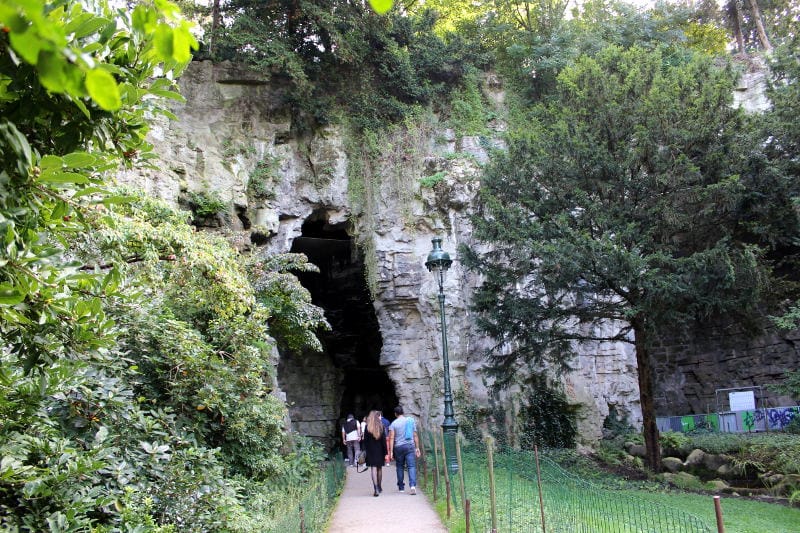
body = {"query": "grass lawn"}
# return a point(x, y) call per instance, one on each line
point(611, 505)
point(739, 515)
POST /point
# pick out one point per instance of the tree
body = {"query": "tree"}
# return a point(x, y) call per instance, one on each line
point(616, 207)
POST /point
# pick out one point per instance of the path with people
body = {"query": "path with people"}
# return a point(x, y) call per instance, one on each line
point(358, 511)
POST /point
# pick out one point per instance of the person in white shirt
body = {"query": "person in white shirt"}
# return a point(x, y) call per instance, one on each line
point(351, 438)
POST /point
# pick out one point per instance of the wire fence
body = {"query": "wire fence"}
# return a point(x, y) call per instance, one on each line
point(309, 510)
point(505, 490)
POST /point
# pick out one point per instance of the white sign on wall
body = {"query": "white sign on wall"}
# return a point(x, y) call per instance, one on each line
point(742, 401)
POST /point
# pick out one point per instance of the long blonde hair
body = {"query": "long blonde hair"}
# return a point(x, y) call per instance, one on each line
point(374, 424)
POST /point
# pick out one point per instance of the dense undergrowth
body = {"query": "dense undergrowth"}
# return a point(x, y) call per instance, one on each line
point(137, 355)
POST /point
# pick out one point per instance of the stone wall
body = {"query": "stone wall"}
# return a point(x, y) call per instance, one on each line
point(232, 120)
point(721, 356)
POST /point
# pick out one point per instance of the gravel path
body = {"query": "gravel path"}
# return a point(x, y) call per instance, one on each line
point(358, 511)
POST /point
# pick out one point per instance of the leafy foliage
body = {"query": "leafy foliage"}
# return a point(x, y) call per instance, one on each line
point(547, 419)
point(136, 366)
point(617, 206)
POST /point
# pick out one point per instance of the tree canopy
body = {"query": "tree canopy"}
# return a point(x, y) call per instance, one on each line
point(617, 213)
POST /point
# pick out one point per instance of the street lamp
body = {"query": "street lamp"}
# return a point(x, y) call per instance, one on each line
point(438, 263)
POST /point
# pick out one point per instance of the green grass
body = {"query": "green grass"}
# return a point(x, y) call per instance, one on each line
point(611, 506)
point(739, 515)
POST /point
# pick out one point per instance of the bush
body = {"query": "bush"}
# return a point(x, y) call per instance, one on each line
point(206, 203)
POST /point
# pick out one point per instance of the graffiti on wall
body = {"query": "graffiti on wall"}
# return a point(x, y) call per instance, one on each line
point(771, 419)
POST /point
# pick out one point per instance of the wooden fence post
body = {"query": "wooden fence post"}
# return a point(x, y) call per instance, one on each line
point(466, 516)
point(302, 520)
point(436, 481)
point(461, 470)
point(492, 494)
point(423, 460)
point(446, 474)
point(718, 512)
point(539, 482)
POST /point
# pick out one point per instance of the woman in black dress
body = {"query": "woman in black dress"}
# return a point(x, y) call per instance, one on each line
point(375, 446)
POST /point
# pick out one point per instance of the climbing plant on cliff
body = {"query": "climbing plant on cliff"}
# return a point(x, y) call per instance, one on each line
point(613, 215)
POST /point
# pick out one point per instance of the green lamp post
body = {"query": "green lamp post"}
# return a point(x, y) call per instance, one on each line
point(438, 263)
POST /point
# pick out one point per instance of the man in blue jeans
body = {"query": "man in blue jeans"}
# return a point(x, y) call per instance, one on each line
point(404, 448)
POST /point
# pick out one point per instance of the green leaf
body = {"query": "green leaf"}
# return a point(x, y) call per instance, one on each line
point(51, 161)
point(79, 160)
point(103, 89)
point(11, 19)
point(164, 41)
point(10, 295)
point(172, 95)
point(381, 6)
point(181, 42)
point(90, 26)
point(27, 45)
point(51, 71)
point(90, 190)
point(62, 177)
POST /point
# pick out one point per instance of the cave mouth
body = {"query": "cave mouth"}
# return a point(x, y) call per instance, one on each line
point(352, 347)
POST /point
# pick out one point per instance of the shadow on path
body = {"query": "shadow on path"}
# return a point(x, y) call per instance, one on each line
point(358, 511)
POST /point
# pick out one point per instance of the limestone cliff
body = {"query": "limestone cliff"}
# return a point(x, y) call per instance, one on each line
point(233, 138)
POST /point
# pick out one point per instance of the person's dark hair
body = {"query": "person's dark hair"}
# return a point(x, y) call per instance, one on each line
point(398, 410)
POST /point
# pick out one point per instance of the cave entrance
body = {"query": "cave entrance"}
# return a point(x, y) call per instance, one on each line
point(322, 388)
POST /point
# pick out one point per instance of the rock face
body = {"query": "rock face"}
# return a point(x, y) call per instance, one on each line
point(233, 138)
point(721, 356)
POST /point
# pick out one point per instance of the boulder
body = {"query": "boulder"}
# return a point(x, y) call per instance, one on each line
point(695, 458)
point(713, 461)
point(672, 464)
point(638, 450)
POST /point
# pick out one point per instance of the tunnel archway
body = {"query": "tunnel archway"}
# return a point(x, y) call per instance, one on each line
point(322, 388)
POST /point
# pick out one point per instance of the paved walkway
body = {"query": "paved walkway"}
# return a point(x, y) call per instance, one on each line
point(358, 511)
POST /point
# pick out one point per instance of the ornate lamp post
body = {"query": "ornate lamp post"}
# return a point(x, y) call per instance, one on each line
point(438, 263)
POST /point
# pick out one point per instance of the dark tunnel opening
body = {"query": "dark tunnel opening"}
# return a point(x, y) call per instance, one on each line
point(322, 388)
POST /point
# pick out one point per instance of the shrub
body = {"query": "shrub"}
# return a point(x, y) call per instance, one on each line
point(206, 203)
point(429, 182)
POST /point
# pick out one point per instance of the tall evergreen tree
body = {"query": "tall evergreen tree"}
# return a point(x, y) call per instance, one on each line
point(617, 206)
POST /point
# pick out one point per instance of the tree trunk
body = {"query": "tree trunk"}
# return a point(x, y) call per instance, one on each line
point(735, 15)
point(215, 20)
point(762, 32)
point(649, 426)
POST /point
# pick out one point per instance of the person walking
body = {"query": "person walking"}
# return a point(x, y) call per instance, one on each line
point(351, 438)
point(376, 450)
point(404, 448)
